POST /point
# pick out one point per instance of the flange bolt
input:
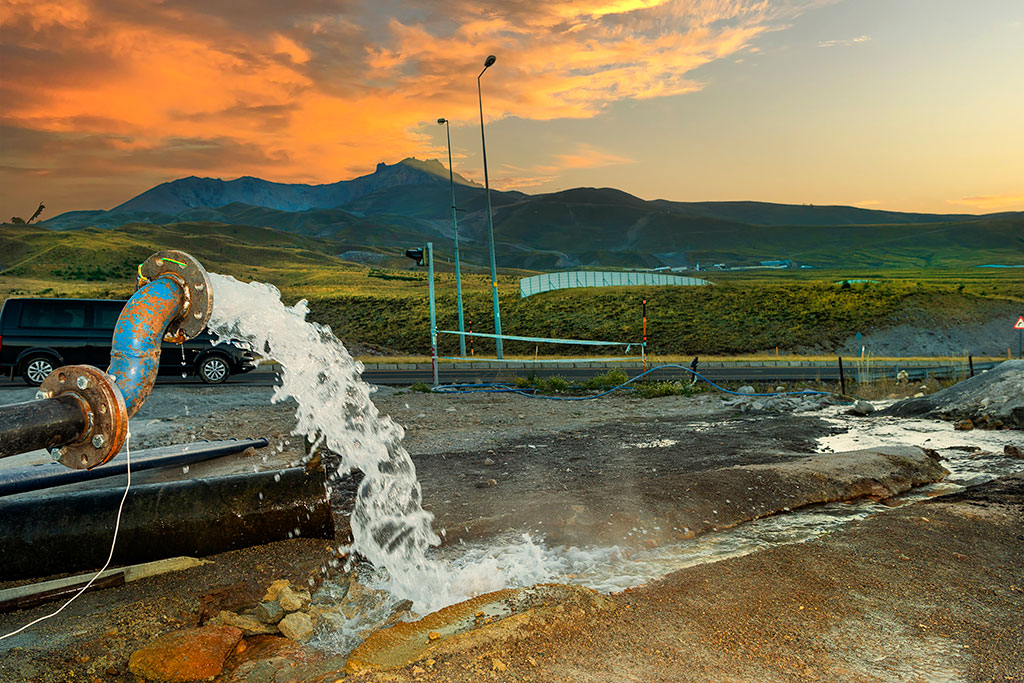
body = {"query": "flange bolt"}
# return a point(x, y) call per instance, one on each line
point(83, 382)
point(98, 441)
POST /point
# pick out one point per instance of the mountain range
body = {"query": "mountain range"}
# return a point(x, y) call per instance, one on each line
point(409, 202)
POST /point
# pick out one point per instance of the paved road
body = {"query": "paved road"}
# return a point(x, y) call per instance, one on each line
point(750, 373)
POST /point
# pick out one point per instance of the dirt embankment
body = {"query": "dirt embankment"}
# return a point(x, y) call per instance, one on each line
point(987, 333)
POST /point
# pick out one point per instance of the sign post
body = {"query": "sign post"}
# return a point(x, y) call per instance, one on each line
point(1019, 326)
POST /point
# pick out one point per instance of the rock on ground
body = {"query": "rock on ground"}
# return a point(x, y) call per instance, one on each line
point(992, 399)
point(193, 654)
point(784, 403)
point(297, 626)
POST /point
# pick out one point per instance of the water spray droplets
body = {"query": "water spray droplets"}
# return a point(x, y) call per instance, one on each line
point(389, 526)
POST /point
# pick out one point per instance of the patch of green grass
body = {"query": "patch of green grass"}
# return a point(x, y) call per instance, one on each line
point(552, 385)
point(421, 387)
point(607, 380)
point(745, 312)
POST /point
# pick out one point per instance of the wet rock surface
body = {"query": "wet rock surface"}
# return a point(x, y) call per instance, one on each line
point(930, 591)
point(783, 403)
point(993, 400)
point(187, 655)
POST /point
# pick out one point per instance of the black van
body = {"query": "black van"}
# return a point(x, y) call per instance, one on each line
point(39, 335)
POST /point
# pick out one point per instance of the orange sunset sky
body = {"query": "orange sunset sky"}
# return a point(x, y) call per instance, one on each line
point(897, 104)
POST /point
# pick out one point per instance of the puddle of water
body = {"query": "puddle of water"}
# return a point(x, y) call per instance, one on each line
point(972, 457)
point(657, 443)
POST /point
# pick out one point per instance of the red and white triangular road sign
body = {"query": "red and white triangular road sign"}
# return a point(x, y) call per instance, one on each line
point(1019, 325)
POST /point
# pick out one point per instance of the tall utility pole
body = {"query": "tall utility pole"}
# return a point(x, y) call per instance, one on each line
point(455, 229)
point(490, 217)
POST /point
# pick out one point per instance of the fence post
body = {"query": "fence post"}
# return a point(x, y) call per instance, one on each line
point(970, 363)
point(842, 377)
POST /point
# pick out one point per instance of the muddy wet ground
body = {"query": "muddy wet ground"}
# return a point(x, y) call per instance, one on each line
point(847, 606)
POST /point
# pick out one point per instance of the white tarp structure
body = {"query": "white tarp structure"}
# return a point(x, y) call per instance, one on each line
point(598, 278)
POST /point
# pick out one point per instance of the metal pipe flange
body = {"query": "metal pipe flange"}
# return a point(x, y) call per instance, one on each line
point(105, 411)
point(197, 300)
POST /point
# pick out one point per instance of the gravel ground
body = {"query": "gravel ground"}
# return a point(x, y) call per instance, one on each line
point(890, 598)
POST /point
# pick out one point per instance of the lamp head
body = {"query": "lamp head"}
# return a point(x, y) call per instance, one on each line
point(442, 120)
point(489, 61)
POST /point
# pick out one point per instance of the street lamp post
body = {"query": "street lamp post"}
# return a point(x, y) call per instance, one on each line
point(455, 228)
point(490, 218)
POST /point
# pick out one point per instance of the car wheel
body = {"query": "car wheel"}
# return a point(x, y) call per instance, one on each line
point(35, 369)
point(214, 369)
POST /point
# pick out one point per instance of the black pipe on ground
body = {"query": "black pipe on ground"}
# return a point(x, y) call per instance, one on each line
point(44, 476)
point(47, 423)
point(45, 535)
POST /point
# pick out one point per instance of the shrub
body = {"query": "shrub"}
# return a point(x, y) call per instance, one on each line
point(608, 380)
point(421, 387)
point(659, 389)
point(552, 384)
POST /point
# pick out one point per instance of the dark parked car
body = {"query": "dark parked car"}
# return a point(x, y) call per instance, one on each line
point(39, 335)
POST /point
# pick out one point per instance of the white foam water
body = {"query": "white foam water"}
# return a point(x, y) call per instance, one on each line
point(389, 526)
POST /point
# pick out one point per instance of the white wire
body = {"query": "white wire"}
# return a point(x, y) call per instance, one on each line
point(113, 543)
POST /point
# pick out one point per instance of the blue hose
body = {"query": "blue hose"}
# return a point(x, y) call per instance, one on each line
point(495, 388)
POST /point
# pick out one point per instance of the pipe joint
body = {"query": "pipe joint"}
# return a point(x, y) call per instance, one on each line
point(195, 304)
point(104, 411)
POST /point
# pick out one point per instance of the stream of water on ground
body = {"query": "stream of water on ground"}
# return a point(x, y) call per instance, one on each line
point(393, 533)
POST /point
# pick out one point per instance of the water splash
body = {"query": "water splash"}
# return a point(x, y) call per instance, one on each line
point(389, 526)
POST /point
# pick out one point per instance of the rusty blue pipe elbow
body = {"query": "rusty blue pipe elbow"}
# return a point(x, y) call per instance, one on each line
point(173, 303)
point(140, 329)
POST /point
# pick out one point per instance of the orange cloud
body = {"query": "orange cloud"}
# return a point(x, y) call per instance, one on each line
point(993, 202)
point(317, 90)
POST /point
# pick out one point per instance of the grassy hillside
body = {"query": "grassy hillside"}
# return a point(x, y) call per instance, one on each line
point(386, 305)
point(728, 318)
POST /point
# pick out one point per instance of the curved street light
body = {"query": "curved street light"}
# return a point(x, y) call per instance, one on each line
point(455, 228)
point(490, 217)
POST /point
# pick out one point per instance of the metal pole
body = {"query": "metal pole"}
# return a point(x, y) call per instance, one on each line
point(644, 347)
point(842, 377)
point(455, 229)
point(490, 217)
point(433, 312)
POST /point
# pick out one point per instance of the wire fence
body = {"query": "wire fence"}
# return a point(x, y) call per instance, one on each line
point(626, 346)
